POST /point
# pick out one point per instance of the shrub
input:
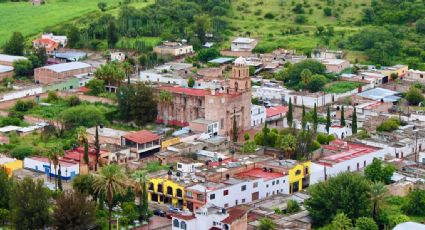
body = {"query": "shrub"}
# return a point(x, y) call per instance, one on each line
point(415, 203)
point(23, 106)
point(300, 19)
point(246, 136)
point(73, 101)
point(292, 206)
point(327, 12)
point(269, 15)
point(366, 223)
point(22, 152)
point(389, 125)
point(52, 97)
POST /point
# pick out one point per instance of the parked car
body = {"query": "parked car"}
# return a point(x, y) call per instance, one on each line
point(158, 212)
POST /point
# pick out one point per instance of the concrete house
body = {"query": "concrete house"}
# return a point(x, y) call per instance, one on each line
point(59, 72)
point(243, 44)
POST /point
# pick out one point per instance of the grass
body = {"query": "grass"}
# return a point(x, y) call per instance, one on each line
point(129, 43)
point(31, 20)
point(393, 207)
point(341, 86)
point(249, 19)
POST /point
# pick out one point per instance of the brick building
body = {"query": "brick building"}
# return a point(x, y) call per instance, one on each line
point(5, 72)
point(232, 101)
point(8, 60)
point(59, 72)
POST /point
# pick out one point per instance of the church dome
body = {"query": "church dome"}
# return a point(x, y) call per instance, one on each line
point(240, 61)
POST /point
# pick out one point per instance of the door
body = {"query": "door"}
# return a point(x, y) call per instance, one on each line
point(255, 196)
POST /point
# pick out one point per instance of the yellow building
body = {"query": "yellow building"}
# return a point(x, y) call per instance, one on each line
point(10, 165)
point(169, 142)
point(299, 177)
point(166, 191)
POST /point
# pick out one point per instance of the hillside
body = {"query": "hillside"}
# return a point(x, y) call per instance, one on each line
point(30, 20)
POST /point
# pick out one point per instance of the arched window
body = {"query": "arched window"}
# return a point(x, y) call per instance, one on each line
point(170, 191)
point(183, 225)
point(236, 86)
point(179, 193)
point(176, 223)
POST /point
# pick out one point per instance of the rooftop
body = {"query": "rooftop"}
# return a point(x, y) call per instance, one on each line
point(260, 173)
point(11, 58)
point(333, 61)
point(4, 68)
point(235, 213)
point(64, 67)
point(243, 40)
point(9, 128)
point(142, 136)
point(107, 132)
point(276, 110)
point(63, 163)
point(221, 60)
point(72, 55)
point(187, 91)
point(381, 94)
point(339, 151)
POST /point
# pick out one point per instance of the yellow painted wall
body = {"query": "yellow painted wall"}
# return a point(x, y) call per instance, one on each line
point(170, 142)
point(12, 166)
point(298, 178)
point(166, 183)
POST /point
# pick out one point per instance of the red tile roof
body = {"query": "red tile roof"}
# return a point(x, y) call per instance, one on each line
point(142, 136)
point(276, 110)
point(83, 89)
point(184, 217)
point(235, 214)
point(340, 151)
point(259, 173)
point(187, 91)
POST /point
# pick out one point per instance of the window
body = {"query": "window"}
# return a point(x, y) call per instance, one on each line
point(243, 188)
point(189, 194)
point(176, 223)
point(255, 184)
point(364, 163)
point(226, 205)
point(179, 166)
point(267, 186)
point(183, 225)
point(243, 201)
point(272, 182)
point(348, 168)
point(225, 192)
point(277, 182)
point(212, 196)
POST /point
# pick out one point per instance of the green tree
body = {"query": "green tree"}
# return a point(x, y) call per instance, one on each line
point(29, 205)
point(143, 104)
point(128, 69)
point(246, 137)
point(316, 83)
point(82, 139)
point(342, 116)
point(96, 87)
point(235, 130)
point(347, 192)
point(377, 196)
point(398, 219)
point(414, 96)
point(340, 222)
point(354, 121)
point(206, 55)
point(110, 182)
point(190, 82)
point(378, 172)
point(315, 119)
point(23, 67)
point(366, 223)
point(140, 184)
point(81, 115)
point(289, 114)
point(328, 119)
point(303, 118)
point(15, 45)
point(292, 206)
point(288, 144)
point(5, 189)
point(110, 73)
point(415, 204)
point(84, 184)
point(267, 224)
point(389, 125)
point(327, 11)
point(73, 34)
point(102, 6)
point(72, 210)
point(420, 26)
point(202, 25)
point(293, 73)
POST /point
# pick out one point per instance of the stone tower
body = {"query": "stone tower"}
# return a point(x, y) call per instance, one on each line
point(240, 81)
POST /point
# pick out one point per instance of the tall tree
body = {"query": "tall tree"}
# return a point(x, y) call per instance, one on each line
point(235, 129)
point(74, 210)
point(377, 171)
point(377, 196)
point(110, 182)
point(191, 82)
point(29, 205)
point(165, 99)
point(139, 186)
point(288, 143)
point(112, 34)
point(111, 73)
point(143, 104)
point(265, 134)
point(328, 119)
point(55, 153)
point(128, 68)
point(82, 139)
point(315, 119)
point(347, 192)
point(354, 122)
point(303, 119)
point(342, 116)
point(5, 189)
point(289, 114)
point(97, 148)
point(15, 45)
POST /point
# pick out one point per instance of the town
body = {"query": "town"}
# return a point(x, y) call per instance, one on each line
point(206, 133)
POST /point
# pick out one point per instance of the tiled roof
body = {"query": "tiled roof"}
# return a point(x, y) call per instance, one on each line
point(259, 173)
point(187, 91)
point(184, 217)
point(276, 110)
point(340, 151)
point(235, 214)
point(142, 136)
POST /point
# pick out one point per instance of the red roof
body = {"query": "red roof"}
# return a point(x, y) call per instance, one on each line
point(83, 89)
point(276, 110)
point(184, 217)
point(62, 162)
point(341, 151)
point(235, 214)
point(187, 91)
point(142, 136)
point(259, 173)
point(77, 154)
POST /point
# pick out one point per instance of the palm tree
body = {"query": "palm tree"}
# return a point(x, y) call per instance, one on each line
point(288, 144)
point(110, 181)
point(111, 73)
point(377, 195)
point(165, 98)
point(128, 69)
point(54, 154)
point(139, 185)
point(82, 139)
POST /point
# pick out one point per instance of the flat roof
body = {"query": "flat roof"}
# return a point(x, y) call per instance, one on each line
point(107, 132)
point(4, 68)
point(243, 40)
point(333, 61)
point(64, 67)
point(11, 58)
point(221, 60)
point(380, 93)
point(9, 128)
point(5, 160)
point(71, 55)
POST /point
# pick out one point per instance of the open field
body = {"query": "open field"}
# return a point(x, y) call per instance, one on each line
point(30, 20)
point(271, 20)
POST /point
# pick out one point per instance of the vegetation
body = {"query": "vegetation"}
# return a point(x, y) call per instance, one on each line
point(378, 172)
point(341, 87)
point(389, 125)
point(267, 224)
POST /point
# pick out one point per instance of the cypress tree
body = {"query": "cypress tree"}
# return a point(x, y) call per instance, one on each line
point(315, 119)
point(303, 119)
point(265, 134)
point(328, 119)
point(354, 122)
point(342, 116)
point(289, 115)
point(235, 130)
point(97, 147)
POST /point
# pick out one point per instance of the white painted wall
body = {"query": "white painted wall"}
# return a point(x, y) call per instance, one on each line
point(258, 115)
point(151, 76)
point(398, 152)
point(67, 172)
point(20, 93)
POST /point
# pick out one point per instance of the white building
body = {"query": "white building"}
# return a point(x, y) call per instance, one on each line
point(258, 115)
point(156, 76)
point(68, 169)
point(243, 44)
point(341, 156)
point(118, 56)
point(62, 40)
point(20, 93)
point(268, 93)
point(415, 75)
point(335, 65)
point(211, 217)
